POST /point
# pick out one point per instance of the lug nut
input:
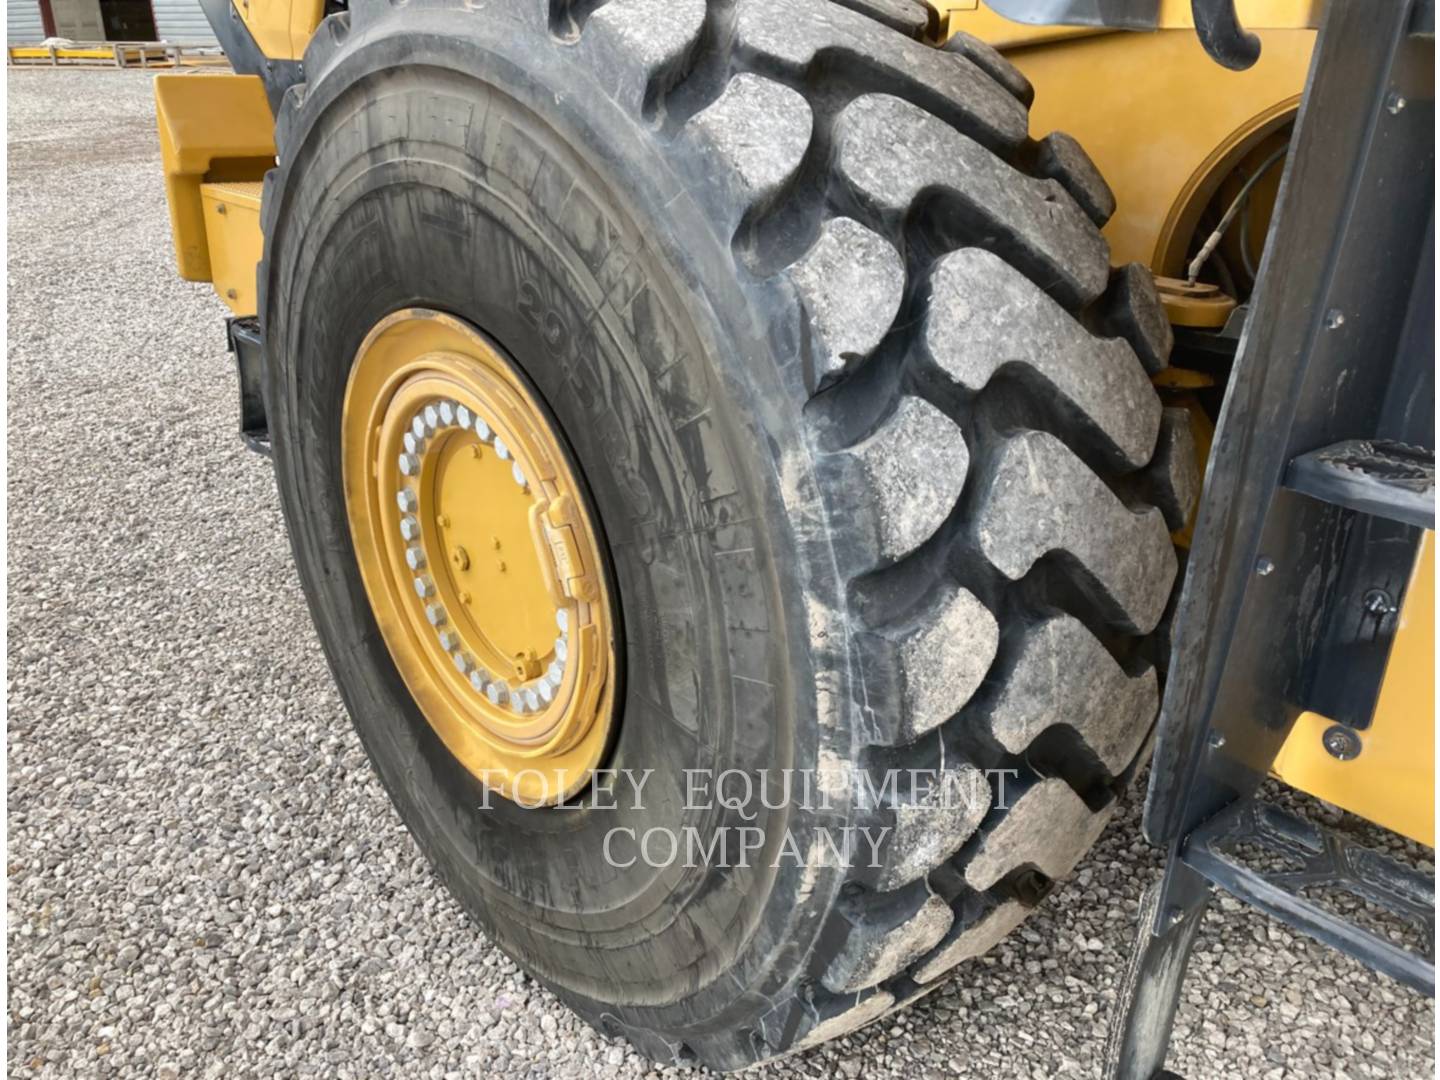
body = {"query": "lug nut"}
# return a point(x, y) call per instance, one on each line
point(409, 464)
point(432, 417)
point(477, 681)
point(449, 640)
point(462, 663)
point(410, 527)
point(463, 416)
point(424, 586)
point(447, 412)
point(415, 558)
point(493, 692)
point(413, 444)
point(406, 500)
point(435, 613)
point(417, 425)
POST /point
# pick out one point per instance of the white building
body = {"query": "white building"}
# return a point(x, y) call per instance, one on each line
point(178, 21)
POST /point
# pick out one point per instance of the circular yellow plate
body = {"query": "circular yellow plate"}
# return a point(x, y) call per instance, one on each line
point(479, 555)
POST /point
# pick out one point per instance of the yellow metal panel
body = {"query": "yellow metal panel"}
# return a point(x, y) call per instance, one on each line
point(1392, 781)
point(212, 127)
point(232, 232)
point(281, 28)
point(1163, 122)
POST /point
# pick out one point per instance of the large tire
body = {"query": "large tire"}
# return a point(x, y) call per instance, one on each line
point(865, 417)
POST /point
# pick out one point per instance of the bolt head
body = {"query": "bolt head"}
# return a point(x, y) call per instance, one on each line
point(493, 692)
point(1334, 319)
point(446, 410)
point(432, 417)
point(1395, 103)
point(410, 527)
point(501, 450)
point(562, 650)
point(415, 558)
point(417, 425)
point(407, 501)
point(413, 444)
point(482, 430)
point(532, 700)
point(1341, 742)
point(562, 620)
point(1378, 602)
point(464, 417)
point(1215, 740)
point(449, 640)
point(435, 614)
point(463, 663)
point(409, 464)
point(519, 475)
point(1264, 566)
point(424, 587)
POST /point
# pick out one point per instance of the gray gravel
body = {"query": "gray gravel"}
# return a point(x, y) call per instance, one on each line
point(204, 875)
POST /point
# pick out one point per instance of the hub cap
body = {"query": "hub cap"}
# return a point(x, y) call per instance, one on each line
point(479, 555)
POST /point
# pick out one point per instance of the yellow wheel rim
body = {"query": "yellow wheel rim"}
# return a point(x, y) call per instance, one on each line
point(479, 555)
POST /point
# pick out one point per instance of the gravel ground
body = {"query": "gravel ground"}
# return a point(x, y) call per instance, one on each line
point(204, 875)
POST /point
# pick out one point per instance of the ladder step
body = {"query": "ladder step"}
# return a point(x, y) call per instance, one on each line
point(1293, 870)
point(1374, 476)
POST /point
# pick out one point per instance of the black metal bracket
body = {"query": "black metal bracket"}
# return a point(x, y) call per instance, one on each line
point(242, 335)
point(1150, 989)
point(1287, 869)
point(245, 56)
point(1292, 542)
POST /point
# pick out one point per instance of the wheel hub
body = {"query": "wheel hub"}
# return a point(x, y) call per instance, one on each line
point(479, 555)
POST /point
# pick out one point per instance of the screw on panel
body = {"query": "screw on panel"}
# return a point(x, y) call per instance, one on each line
point(1394, 103)
point(1334, 319)
point(1215, 741)
point(1341, 742)
point(1264, 566)
point(1377, 602)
